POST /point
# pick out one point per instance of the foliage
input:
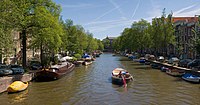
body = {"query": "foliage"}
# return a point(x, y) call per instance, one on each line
point(198, 47)
point(39, 21)
point(142, 35)
point(106, 43)
point(78, 56)
point(6, 42)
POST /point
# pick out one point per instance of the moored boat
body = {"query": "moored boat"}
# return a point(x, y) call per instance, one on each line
point(54, 72)
point(78, 63)
point(175, 72)
point(191, 78)
point(163, 69)
point(17, 86)
point(121, 76)
point(142, 60)
point(87, 63)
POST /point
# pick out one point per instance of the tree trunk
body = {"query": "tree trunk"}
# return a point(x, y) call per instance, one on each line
point(1, 56)
point(24, 48)
point(41, 55)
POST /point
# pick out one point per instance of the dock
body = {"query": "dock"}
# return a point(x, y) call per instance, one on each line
point(196, 72)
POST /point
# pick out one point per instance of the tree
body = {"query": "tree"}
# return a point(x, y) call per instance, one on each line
point(100, 45)
point(21, 15)
point(48, 35)
point(92, 44)
point(6, 42)
point(106, 43)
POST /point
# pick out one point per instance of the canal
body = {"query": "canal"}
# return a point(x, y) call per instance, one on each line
point(91, 85)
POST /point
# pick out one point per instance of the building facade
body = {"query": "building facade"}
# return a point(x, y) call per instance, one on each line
point(17, 50)
point(185, 35)
point(108, 43)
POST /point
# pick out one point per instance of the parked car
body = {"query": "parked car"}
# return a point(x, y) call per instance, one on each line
point(17, 69)
point(4, 70)
point(184, 62)
point(35, 65)
point(161, 59)
point(194, 63)
point(173, 60)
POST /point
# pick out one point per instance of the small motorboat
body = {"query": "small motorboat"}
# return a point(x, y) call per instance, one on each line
point(121, 76)
point(17, 86)
point(142, 60)
point(191, 78)
point(86, 63)
point(175, 72)
point(164, 69)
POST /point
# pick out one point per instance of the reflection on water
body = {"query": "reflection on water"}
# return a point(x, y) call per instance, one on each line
point(91, 85)
point(18, 97)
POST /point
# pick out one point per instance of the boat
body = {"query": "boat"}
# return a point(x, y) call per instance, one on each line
point(163, 69)
point(191, 78)
point(142, 60)
point(119, 75)
point(54, 72)
point(17, 86)
point(87, 63)
point(78, 63)
point(97, 54)
point(155, 66)
point(175, 72)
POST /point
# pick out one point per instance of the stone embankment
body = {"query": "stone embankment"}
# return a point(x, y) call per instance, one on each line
point(7, 80)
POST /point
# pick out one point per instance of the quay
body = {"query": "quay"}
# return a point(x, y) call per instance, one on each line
point(196, 72)
point(7, 80)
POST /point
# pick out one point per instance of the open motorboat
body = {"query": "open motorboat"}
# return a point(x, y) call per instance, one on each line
point(191, 78)
point(121, 76)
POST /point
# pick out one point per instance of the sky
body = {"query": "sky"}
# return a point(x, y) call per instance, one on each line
point(109, 17)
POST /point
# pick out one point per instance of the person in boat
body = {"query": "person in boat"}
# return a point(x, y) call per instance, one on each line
point(122, 73)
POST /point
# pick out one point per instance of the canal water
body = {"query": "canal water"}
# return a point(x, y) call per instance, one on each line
point(91, 85)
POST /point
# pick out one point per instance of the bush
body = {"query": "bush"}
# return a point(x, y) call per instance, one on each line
point(55, 61)
point(78, 56)
point(73, 59)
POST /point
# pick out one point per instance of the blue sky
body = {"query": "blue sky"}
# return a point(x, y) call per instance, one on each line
point(109, 17)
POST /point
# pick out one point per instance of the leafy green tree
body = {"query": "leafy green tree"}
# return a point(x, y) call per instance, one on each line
point(6, 42)
point(22, 16)
point(92, 43)
point(106, 43)
point(197, 46)
point(48, 36)
point(100, 45)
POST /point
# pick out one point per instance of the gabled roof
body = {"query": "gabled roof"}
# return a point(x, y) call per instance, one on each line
point(185, 19)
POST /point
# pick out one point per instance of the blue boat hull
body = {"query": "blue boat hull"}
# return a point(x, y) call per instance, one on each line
point(191, 78)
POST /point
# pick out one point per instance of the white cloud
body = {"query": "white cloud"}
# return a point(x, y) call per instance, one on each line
point(187, 11)
point(100, 26)
point(183, 9)
point(156, 11)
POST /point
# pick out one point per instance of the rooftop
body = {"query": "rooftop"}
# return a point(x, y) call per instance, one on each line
point(186, 19)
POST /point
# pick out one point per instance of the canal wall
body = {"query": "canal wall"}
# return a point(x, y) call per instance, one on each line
point(7, 80)
point(193, 71)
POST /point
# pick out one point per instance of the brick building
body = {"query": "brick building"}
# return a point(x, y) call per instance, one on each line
point(185, 28)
